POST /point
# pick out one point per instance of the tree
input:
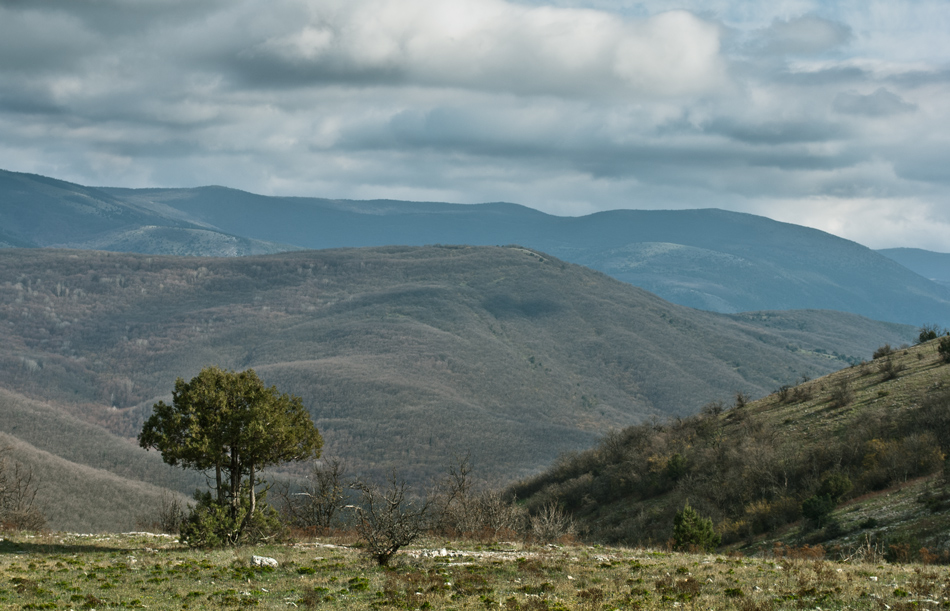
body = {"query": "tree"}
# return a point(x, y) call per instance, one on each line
point(691, 531)
point(233, 425)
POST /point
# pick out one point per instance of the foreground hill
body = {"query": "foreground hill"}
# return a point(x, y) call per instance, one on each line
point(859, 437)
point(709, 259)
point(405, 356)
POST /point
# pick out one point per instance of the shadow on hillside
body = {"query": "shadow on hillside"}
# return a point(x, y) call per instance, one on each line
point(50, 548)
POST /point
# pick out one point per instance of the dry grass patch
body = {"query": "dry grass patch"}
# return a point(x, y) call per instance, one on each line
point(59, 571)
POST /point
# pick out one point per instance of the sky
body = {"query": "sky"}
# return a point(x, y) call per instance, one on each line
point(834, 115)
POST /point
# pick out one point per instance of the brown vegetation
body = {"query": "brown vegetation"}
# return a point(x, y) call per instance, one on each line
point(404, 356)
point(753, 468)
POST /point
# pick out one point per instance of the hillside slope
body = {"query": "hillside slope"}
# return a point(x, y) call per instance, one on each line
point(877, 427)
point(405, 356)
point(709, 259)
point(931, 265)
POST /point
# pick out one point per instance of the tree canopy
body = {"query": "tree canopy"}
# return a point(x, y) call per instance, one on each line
point(232, 424)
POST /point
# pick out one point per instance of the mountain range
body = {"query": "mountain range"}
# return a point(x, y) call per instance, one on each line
point(407, 355)
point(708, 259)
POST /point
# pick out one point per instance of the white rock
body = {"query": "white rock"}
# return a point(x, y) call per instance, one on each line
point(263, 561)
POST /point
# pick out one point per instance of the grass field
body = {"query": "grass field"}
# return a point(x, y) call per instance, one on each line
point(140, 571)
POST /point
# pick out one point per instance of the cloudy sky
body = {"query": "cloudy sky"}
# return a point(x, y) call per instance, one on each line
point(829, 114)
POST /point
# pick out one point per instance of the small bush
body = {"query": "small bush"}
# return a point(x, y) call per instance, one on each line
point(841, 394)
point(943, 347)
point(928, 332)
point(387, 520)
point(883, 351)
point(691, 531)
point(869, 523)
point(817, 508)
point(889, 369)
point(211, 524)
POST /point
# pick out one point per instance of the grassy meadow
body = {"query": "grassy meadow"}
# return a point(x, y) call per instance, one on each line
point(141, 571)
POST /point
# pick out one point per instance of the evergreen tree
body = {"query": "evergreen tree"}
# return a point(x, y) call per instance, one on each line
point(692, 532)
point(233, 425)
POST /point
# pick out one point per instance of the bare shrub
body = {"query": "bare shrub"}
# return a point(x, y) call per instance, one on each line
point(167, 517)
point(387, 520)
point(801, 393)
point(171, 513)
point(741, 400)
point(18, 509)
point(551, 524)
point(315, 506)
point(461, 511)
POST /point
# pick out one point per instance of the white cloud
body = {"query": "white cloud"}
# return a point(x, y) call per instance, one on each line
point(494, 45)
point(874, 222)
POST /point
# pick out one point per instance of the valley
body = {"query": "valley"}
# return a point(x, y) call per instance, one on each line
point(405, 356)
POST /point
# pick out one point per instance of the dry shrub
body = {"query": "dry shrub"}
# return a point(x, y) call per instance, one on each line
point(934, 557)
point(552, 524)
point(388, 519)
point(484, 515)
point(805, 552)
point(18, 509)
point(314, 507)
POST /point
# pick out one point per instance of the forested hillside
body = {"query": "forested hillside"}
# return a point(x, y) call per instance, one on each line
point(793, 457)
point(404, 356)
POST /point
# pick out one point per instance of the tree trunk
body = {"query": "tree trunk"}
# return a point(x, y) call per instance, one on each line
point(252, 491)
point(235, 485)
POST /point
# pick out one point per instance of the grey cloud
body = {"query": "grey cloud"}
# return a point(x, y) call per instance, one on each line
point(562, 109)
point(806, 35)
point(775, 132)
point(881, 103)
point(33, 41)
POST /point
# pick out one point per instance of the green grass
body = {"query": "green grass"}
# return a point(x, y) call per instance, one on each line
point(61, 571)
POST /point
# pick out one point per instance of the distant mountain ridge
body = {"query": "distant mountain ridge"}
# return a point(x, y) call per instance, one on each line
point(934, 266)
point(709, 259)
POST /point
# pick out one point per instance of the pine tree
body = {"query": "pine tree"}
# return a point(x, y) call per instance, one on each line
point(692, 532)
